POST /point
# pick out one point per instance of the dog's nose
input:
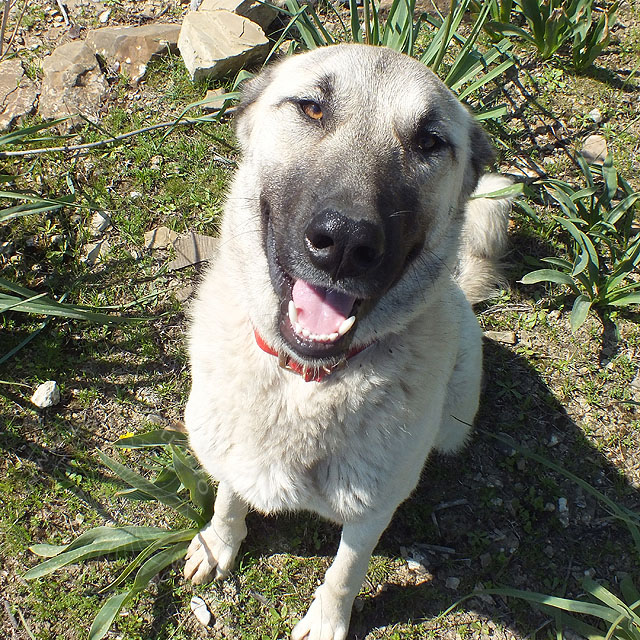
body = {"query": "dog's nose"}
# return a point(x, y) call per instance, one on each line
point(342, 246)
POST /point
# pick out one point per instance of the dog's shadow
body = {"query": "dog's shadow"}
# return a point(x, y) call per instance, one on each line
point(489, 516)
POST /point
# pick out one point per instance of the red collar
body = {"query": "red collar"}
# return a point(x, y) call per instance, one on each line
point(309, 374)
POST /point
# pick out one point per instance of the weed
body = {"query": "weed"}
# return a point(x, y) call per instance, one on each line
point(604, 247)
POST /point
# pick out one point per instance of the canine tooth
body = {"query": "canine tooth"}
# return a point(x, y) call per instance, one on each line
point(333, 336)
point(293, 313)
point(346, 325)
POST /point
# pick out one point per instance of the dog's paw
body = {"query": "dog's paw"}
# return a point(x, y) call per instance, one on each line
point(327, 619)
point(209, 553)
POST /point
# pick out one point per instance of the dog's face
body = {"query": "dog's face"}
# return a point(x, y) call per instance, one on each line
point(357, 163)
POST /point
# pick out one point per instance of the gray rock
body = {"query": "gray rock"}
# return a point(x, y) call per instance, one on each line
point(73, 83)
point(46, 395)
point(18, 93)
point(506, 337)
point(100, 222)
point(214, 44)
point(594, 149)
point(131, 48)
point(258, 12)
point(159, 238)
point(193, 248)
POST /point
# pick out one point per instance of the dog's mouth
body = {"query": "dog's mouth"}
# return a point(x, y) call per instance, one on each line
point(317, 322)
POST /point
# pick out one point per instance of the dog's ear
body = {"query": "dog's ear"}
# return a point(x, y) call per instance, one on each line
point(250, 91)
point(481, 155)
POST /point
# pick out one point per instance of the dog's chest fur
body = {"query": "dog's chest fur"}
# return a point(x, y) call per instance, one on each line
point(331, 447)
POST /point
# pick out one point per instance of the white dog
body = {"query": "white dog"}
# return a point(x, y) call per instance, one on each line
point(332, 344)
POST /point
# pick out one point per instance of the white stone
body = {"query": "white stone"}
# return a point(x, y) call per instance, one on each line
point(46, 395)
point(200, 610)
point(214, 44)
point(104, 16)
point(99, 222)
point(596, 115)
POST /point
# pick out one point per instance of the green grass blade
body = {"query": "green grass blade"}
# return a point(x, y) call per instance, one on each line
point(136, 481)
point(155, 438)
point(623, 301)
point(111, 535)
point(579, 312)
point(604, 595)
point(83, 553)
point(549, 275)
point(105, 617)
point(491, 113)
point(185, 535)
point(195, 480)
point(487, 77)
point(565, 604)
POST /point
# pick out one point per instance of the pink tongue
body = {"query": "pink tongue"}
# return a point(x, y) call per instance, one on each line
point(320, 310)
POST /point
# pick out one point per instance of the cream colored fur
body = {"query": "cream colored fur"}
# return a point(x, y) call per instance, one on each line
point(352, 447)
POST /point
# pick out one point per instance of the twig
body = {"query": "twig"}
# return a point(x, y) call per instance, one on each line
point(18, 23)
point(63, 11)
point(103, 143)
point(26, 626)
point(3, 27)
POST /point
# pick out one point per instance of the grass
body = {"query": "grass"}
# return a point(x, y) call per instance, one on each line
point(562, 396)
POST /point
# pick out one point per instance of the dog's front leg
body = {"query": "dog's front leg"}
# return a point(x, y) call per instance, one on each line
point(329, 614)
point(216, 546)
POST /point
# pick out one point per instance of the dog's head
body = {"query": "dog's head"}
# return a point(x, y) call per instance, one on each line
point(348, 205)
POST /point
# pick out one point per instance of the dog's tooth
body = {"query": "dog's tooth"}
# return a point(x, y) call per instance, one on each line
point(293, 313)
point(297, 327)
point(333, 336)
point(323, 337)
point(346, 325)
point(305, 332)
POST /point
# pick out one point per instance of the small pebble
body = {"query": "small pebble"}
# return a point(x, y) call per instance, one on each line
point(46, 395)
point(200, 611)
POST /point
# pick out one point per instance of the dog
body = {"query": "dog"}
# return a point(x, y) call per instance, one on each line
point(332, 341)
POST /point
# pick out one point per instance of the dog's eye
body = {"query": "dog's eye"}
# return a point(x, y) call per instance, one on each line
point(311, 109)
point(427, 142)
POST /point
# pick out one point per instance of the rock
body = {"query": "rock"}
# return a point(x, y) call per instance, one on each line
point(193, 248)
point(596, 115)
point(103, 18)
point(93, 251)
point(18, 93)
point(100, 222)
point(506, 337)
point(594, 149)
point(73, 83)
point(184, 293)
point(214, 99)
point(452, 583)
point(260, 13)
point(200, 610)
point(214, 44)
point(46, 395)
point(131, 48)
point(159, 238)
